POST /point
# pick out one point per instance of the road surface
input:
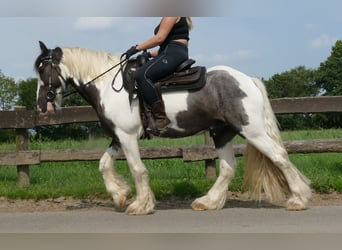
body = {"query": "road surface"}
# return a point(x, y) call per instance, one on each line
point(317, 219)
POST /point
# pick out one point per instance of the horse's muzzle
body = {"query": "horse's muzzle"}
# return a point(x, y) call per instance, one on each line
point(50, 109)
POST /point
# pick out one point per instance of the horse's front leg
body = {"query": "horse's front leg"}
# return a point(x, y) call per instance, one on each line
point(115, 184)
point(144, 202)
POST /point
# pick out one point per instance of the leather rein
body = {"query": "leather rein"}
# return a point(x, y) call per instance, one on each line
point(51, 94)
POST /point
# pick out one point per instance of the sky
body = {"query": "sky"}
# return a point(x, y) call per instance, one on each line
point(258, 37)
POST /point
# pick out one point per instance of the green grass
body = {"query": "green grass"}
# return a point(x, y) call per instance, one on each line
point(168, 177)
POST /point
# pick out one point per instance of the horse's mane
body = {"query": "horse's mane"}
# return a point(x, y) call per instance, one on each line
point(86, 64)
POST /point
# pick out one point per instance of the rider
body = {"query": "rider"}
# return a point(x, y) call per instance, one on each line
point(172, 36)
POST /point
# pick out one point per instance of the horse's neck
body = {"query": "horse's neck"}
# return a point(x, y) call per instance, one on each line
point(85, 65)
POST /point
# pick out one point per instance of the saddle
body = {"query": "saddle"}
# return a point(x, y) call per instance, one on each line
point(184, 78)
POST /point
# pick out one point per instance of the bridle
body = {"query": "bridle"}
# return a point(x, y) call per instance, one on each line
point(51, 93)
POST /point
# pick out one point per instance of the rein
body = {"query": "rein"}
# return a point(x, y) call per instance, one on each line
point(51, 94)
point(121, 63)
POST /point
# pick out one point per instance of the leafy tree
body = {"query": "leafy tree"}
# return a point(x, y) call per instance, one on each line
point(8, 92)
point(297, 82)
point(27, 93)
point(294, 83)
point(329, 79)
point(329, 73)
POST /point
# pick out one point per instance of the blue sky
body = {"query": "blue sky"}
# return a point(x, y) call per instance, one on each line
point(258, 37)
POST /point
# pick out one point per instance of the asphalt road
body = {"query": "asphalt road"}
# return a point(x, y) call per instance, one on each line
point(318, 219)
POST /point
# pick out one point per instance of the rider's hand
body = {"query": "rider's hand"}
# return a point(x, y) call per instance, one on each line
point(131, 51)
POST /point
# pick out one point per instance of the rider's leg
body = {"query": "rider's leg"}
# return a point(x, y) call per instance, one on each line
point(168, 59)
point(150, 93)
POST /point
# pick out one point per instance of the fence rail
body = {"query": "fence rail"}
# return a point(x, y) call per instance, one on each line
point(187, 153)
point(21, 120)
point(31, 119)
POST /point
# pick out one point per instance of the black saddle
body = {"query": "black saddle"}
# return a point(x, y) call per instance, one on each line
point(184, 78)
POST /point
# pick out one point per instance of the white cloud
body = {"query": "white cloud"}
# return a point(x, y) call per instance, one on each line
point(323, 41)
point(95, 23)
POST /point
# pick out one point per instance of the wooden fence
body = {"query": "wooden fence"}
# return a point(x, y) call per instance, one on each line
point(22, 120)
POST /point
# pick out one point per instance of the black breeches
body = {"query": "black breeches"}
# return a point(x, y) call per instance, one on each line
point(167, 61)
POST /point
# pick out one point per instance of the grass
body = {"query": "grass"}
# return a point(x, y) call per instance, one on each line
point(168, 177)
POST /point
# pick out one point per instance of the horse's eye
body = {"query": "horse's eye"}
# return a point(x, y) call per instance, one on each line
point(40, 68)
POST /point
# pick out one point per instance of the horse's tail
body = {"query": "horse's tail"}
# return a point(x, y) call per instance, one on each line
point(261, 174)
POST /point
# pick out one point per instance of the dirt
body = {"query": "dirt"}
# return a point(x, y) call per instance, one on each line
point(72, 204)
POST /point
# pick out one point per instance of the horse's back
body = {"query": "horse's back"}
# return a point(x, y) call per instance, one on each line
point(244, 82)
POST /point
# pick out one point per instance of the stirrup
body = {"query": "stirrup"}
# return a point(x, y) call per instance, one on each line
point(153, 129)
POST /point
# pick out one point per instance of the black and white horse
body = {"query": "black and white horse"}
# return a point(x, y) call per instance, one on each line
point(231, 103)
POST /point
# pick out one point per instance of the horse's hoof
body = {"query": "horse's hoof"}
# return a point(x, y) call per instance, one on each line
point(131, 212)
point(136, 212)
point(198, 207)
point(139, 209)
point(295, 206)
point(122, 202)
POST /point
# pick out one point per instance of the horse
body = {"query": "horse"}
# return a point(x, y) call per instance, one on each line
point(230, 104)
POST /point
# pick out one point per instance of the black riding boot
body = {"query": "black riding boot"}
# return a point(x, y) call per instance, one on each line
point(158, 111)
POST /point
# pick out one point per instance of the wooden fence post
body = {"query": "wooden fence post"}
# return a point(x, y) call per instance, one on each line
point(210, 165)
point(22, 144)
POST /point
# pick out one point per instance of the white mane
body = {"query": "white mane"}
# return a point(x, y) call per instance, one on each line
point(85, 64)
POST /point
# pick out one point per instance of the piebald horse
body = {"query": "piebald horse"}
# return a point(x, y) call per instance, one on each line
point(231, 103)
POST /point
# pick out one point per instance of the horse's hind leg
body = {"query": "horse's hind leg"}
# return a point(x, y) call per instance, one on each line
point(268, 167)
point(277, 156)
point(217, 195)
point(114, 183)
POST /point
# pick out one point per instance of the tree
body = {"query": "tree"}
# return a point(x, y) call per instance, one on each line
point(294, 83)
point(329, 73)
point(27, 93)
point(329, 79)
point(8, 92)
point(297, 82)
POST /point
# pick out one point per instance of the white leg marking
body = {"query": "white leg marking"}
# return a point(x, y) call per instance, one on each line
point(114, 183)
point(217, 195)
point(145, 201)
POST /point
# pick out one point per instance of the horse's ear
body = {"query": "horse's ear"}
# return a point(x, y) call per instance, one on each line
point(58, 54)
point(43, 46)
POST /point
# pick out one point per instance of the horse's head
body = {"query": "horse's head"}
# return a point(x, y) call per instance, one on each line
point(50, 81)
